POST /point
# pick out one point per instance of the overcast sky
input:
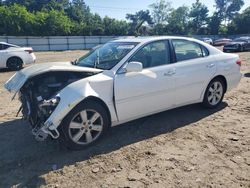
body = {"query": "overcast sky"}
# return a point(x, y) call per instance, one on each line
point(119, 8)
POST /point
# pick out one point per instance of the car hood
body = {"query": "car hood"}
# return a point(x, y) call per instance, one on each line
point(16, 82)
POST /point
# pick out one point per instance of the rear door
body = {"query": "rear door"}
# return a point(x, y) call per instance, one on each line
point(149, 91)
point(194, 68)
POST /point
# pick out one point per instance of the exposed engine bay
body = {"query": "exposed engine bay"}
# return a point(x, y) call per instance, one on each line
point(38, 97)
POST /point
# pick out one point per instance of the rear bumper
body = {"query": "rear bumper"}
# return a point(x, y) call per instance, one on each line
point(30, 59)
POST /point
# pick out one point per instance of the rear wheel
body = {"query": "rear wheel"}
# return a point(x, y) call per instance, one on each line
point(14, 63)
point(84, 125)
point(214, 93)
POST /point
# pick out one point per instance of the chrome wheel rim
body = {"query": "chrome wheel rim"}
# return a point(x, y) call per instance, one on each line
point(215, 93)
point(85, 127)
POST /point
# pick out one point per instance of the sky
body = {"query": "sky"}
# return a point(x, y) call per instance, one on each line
point(119, 8)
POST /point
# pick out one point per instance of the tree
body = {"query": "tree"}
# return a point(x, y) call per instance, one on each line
point(16, 20)
point(137, 20)
point(239, 23)
point(198, 17)
point(38, 5)
point(160, 11)
point(214, 23)
point(56, 23)
point(178, 21)
point(226, 9)
point(115, 27)
point(78, 11)
point(225, 12)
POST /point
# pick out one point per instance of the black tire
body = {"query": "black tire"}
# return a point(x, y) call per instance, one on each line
point(66, 132)
point(14, 63)
point(207, 100)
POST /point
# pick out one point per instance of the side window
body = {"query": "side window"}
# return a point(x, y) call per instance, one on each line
point(153, 54)
point(186, 50)
point(3, 47)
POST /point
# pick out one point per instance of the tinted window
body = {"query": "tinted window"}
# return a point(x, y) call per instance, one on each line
point(153, 54)
point(3, 46)
point(186, 50)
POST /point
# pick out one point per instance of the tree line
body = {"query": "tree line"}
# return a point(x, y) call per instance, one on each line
point(65, 17)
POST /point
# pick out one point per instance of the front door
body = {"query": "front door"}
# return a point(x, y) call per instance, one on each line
point(142, 93)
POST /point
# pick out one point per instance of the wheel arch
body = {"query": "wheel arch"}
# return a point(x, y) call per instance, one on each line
point(101, 102)
point(18, 57)
point(215, 77)
point(223, 78)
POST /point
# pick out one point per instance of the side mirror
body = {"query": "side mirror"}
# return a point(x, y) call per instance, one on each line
point(134, 67)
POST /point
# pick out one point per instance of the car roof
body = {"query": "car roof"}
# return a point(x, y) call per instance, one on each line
point(149, 39)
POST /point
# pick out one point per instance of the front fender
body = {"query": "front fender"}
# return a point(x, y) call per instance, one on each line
point(70, 96)
point(76, 92)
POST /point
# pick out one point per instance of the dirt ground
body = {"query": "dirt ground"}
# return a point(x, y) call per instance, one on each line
point(184, 147)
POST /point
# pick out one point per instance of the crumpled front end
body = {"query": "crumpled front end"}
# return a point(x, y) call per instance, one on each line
point(39, 96)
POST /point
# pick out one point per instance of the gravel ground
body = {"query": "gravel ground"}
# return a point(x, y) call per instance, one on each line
point(184, 147)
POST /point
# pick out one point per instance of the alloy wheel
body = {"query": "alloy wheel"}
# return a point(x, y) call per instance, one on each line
point(215, 93)
point(85, 127)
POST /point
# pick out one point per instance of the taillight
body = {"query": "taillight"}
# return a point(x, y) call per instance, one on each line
point(238, 62)
point(29, 51)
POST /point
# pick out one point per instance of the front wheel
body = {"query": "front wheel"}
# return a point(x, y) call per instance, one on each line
point(84, 125)
point(214, 93)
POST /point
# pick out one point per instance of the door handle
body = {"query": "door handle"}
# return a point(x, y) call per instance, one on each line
point(170, 73)
point(210, 65)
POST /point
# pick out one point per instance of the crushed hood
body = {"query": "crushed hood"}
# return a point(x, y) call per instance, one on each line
point(16, 82)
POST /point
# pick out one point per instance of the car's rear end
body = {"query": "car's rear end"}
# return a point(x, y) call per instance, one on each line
point(229, 66)
point(28, 55)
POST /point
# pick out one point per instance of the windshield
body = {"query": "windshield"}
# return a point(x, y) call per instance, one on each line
point(106, 56)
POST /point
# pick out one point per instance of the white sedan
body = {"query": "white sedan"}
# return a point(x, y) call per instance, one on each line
point(121, 81)
point(14, 57)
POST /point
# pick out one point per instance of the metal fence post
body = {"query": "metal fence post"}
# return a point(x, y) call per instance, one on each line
point(48, 43)
point(84, 42)
point(67, 38)
point(100, 39)
point(27, 41)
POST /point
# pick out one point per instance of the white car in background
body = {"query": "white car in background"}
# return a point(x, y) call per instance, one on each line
point(15, 57)
point(121, 81)
point(207, 40)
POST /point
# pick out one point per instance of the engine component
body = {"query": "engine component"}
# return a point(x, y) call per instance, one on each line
point(39, 99)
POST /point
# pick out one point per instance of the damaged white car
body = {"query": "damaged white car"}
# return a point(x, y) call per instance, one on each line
point(121, 81)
